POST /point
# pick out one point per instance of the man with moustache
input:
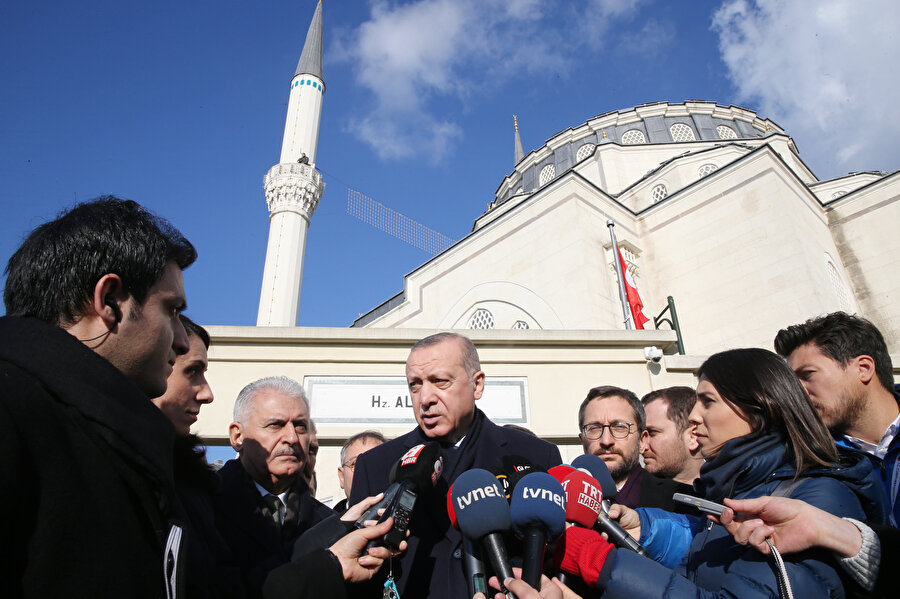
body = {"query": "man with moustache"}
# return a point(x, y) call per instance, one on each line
point(613, 426)
point(444, 376)
point(264, 503)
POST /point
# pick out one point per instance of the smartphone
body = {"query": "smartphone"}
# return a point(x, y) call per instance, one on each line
point(704, 505)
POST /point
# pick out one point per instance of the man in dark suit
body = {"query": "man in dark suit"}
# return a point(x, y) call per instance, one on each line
point(264, 503)
point(445, 379)
point(612, 426)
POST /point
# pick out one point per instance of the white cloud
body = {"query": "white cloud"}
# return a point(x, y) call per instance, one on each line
point(411, 56)
point(822, 70)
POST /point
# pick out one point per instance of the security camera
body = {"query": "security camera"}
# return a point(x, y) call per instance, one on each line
point(653, 353)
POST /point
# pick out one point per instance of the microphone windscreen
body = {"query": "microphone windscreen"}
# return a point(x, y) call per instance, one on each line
point(583, 497)
point(479, 504)
point(560, 472)
point(538, 500)
point(421, 465)
point(597, 468)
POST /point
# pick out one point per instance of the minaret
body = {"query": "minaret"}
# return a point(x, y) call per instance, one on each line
point(292, 188)
point(519, 152)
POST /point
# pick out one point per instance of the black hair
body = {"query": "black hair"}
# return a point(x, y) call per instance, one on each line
point(841, 337)
point(605, 391)
point(762, 386)
point(53, 274)
point(195, 329)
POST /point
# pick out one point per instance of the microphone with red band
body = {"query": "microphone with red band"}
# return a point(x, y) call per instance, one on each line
point(584, 498)
point(538, 513)
point(560, 472)
point(477, 503)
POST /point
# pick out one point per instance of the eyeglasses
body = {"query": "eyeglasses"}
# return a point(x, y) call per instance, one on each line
point(618, 430)
point(351, 464)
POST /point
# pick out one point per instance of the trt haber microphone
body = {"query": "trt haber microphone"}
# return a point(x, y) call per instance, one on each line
point(585, 492)
point(416, 471)
point(538, 513)
point(597, 468)
point(560, 472)
point(482, 513)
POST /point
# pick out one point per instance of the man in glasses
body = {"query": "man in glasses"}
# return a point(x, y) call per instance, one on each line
point(612, 425)
point(355, 445)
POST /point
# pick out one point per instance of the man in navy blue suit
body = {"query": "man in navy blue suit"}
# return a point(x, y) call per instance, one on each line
point(445, 379)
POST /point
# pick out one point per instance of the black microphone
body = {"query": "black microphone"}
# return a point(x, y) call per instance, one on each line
point(583, 498)
point(597, 468)
point(538, 513)
point(480, 508)
point(416, 471)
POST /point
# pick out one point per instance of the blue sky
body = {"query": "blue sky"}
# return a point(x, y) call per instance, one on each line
point(181, 106)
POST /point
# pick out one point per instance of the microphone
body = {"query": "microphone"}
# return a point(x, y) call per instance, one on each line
point(480, 508)
point(597, 468)
point(538, 513)
point(560, 472)
point(473, 563)
point(415, 472)
point(584, 507)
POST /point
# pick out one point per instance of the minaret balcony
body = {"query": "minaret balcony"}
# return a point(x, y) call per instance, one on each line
point(293, 187)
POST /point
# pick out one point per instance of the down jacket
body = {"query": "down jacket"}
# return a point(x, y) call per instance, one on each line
point(715, 565)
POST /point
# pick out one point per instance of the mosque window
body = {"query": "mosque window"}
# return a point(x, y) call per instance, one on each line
point(520, 325)
point(837, 284)
point(706, 169)
point(481, 319)
point(547, 173)
point(681, 132)
point(726, 132)
point(658, 193)
point(838, 194)
point(633, 136)
point(584, 151)
point(520, 190)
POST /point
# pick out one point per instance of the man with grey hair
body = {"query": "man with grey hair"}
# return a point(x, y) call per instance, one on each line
point(353, 447)
point(445, 379)
point(264, 503)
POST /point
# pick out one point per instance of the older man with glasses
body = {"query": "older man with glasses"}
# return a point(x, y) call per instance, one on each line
point(612, 426)
point(353, 447)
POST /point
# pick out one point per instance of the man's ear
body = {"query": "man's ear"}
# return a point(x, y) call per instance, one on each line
point(236, 435)
point(478, 381)
point(108, 287)
point(645, 437)
point(865, 366)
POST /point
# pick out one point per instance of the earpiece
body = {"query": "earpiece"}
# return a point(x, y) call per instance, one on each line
point(114, 306)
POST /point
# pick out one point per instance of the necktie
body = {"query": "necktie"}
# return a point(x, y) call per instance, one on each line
point(275, 506)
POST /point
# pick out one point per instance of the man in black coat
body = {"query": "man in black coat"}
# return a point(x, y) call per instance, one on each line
point(445, 379)
point(612, 425)
point(264, 503)
point(92, 331)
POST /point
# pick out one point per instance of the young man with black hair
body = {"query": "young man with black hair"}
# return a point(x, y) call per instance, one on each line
point(91, 334)
point(844, 365)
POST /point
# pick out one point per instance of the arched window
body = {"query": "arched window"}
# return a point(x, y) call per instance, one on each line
point(547, 173)
point(681, 132)
point(633, 136)
point(520, 325)
point(838, 194)
point(706, 169)
point(584, 151)
point(658, 193)
point(481, 319)
point(726, 132)
point(837, 285)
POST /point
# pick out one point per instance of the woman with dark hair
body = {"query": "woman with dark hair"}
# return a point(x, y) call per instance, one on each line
point(760, 436)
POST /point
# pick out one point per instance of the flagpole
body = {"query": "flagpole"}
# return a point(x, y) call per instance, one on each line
point(620, 276)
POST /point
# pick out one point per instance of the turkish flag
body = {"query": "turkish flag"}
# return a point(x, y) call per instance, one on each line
point(634, 300)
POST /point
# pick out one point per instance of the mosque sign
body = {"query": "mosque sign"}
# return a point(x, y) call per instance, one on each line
point(352, 400)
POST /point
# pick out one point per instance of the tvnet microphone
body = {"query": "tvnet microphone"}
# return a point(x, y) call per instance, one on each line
point(538, 512)
point(597, 468)
point(476, 580)
point(417, 471)
point(583, 505)
point(482, 512)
